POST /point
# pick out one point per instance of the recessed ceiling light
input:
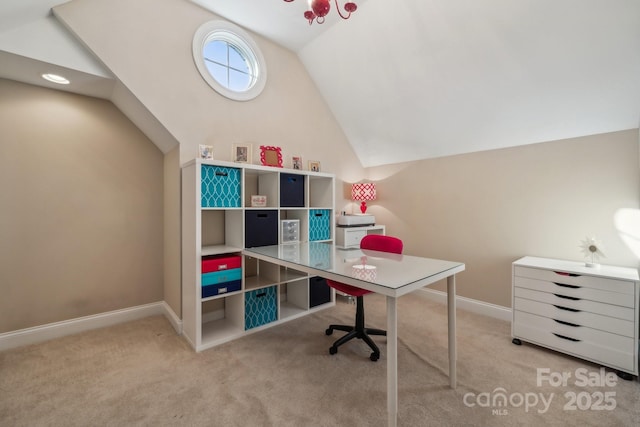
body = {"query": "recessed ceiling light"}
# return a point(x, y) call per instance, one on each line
point(56, 79)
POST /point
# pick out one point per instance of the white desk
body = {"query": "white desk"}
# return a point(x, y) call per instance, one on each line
point(388, 274)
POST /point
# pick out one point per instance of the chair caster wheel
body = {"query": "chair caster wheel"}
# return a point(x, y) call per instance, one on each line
point(516, 341)
point(374, 357)
point(329, 331)
point(333, 350)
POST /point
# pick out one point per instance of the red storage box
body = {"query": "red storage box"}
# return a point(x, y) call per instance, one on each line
point(215, 263)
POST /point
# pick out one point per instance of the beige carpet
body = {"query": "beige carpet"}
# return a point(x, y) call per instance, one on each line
point(143, 374)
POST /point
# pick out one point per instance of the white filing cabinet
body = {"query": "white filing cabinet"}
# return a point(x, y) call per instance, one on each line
point(591, 313)
point(349, 237)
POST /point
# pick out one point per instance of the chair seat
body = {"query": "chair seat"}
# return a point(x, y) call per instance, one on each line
point(348, 289)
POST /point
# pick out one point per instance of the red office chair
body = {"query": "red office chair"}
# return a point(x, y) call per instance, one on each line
point(374, 242)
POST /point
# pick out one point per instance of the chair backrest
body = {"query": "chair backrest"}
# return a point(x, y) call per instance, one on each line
point(378, 242)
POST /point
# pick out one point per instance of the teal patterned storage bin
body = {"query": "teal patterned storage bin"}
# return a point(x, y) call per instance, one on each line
point(319, 224)
point(260, 307)
point(321, 255)
point(220, 187)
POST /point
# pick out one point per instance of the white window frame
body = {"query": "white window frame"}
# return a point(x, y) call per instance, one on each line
point(244, 43)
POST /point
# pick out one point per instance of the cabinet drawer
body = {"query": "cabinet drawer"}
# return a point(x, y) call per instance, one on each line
point(576, 303)
point(575, 291)
point(352, 238)
point(567, 278)
point(584, 349)
point(576, 332)
point(583, 318)
point(220, 187)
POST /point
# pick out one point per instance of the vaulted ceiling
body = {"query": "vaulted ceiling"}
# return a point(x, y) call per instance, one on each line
point(412, 79)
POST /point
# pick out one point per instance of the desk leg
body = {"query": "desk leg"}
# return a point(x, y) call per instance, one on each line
point(451, 309)
point(392, 361)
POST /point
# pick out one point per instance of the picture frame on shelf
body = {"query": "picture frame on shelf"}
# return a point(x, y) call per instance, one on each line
point(314, 165)
point(296, 162)
point(205, 152)
point(241, 153)
point(258, 201)
point(270, 156)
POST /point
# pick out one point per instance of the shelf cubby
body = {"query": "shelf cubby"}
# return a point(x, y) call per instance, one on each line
point(223, 320)
point(294, 298)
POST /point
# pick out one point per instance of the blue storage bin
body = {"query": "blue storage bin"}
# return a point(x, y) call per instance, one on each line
point(261, 228)
point(221, 276)
point(221, 288)
point(319, 224)
point(319, 291)
point(291, 190)
point(220, 187)
point(260, 307)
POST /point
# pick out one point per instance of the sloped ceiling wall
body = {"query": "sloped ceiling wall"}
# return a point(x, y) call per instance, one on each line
point(149, 51)
point(418, 79)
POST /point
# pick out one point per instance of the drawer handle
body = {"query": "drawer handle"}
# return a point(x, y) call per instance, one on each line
point(563, 285)
point(562, 273)
point(220, 173)
point(261, 294)
point(566, 297)
point(567, 308)
point(222, 291)
point(318, 214)
point(562, 322)
point(262, 215)
point(566, 338)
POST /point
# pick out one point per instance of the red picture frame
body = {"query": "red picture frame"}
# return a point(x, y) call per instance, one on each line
point(270, 156)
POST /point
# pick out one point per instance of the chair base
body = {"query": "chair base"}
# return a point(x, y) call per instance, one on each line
point(358, 331)
point(353, 333)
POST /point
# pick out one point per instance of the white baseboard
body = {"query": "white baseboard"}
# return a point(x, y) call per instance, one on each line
point(73, 326)
point(50, 331)
point(172, 317)
point(468, 304)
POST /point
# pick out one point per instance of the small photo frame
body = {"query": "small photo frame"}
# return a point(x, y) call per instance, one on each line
point(314, 165)
point(296, 162)
point(206, 152)
point(258, 201)
point(270, 156)
point(241, 153)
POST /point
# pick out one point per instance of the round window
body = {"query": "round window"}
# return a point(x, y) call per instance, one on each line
point(229, 60)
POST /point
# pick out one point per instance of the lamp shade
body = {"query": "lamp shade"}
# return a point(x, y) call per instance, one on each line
point(363, 192)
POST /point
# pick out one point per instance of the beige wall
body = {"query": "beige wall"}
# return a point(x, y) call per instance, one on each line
point(487, 209)
point(82, 208)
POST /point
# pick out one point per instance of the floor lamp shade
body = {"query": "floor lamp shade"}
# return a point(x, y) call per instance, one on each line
point(363, 192)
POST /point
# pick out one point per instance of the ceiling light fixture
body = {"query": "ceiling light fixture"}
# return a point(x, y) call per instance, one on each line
point(320, 8)
point(56, 79)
